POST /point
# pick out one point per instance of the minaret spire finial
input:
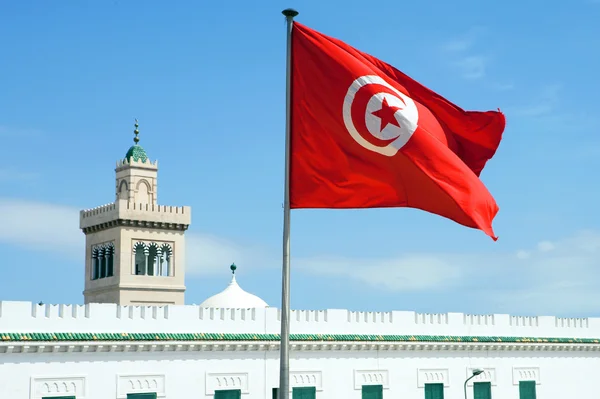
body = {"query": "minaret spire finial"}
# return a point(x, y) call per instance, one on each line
point(233, 267)
point(136, 139)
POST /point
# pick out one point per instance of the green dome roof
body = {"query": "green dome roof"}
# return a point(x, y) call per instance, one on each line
point(137, 153)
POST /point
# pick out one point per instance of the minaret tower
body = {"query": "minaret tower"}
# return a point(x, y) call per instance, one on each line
point(135, 248)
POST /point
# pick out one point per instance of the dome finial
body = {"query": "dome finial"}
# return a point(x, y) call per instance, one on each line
point(234, 297)
point(136, 139)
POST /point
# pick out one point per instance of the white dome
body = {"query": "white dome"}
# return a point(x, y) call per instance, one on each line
point(234, 297)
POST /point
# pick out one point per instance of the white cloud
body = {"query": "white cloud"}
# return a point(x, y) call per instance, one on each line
point(463, 42)
point(6, 131)
point(458, 45)
point(41, 226)
point(472, 66)
point(502, 86)
point(7, 174)
point(461, 55)
point(208, 254)
point(552, 277)
point(562, 280)
point(417, 272)
point(544, 103)
point(54, 228)
point(545, 246)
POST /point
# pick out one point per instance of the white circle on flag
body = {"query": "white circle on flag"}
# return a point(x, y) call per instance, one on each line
point(398, 126)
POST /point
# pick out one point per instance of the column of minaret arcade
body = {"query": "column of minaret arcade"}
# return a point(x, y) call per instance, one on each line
point(103, 259)
point(150, 259)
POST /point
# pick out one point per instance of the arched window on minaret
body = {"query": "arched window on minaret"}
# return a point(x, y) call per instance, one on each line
point(166, 253)
point(110, 259)
point(153, 259)
point(123, 191)
point(95, 263)
point(140, 257)
point(143, 193)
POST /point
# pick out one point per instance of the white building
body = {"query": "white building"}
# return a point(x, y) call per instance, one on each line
point(135, 338)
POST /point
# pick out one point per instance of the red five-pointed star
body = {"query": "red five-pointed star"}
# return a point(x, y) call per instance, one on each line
point(386, 114)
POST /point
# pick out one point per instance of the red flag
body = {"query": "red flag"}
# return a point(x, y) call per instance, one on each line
point(365, 135)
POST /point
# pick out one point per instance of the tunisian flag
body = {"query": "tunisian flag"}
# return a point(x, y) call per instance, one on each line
point(365, 135)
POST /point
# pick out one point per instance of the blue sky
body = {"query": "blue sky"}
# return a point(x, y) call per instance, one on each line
point(206, 81)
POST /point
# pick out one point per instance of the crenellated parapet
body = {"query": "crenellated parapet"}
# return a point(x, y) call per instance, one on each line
point(143, 164)
point(111, 318)
point(126, 213)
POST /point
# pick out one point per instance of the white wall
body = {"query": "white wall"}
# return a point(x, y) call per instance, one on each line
point(182, 375)
point(560, 370)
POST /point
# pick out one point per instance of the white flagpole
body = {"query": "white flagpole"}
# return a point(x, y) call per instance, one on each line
point(284, 347)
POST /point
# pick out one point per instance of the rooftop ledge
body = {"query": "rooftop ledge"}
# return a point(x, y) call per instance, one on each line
point(338, 324)
point(125, 210)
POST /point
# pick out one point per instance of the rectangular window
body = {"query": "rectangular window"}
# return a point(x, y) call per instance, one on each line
point(434, 391)
point(526, 389)
point(304, 393)
point(275, 393)
point(228, 394)
point(145, 395)
point(58, 397)
point(482, 390)
point(372, 392)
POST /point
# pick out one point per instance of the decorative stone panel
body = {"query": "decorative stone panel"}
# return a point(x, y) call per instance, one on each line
point(488, 375)
point(526, 374)
point(140, 383)
point(433, 376)
point(48, 387)
point(306, 379)
point(371, 377)
point(224, 381)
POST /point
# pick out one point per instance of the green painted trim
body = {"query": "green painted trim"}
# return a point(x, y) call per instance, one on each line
point(79, 337)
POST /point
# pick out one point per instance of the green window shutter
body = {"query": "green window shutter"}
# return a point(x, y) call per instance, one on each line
point(275, 393)
point(527, 390)
point(145, 395)
point(372, 392)
point(304, 393)
point(434, 391)
point(59, 397)
point(482, 390)
point(228, 394)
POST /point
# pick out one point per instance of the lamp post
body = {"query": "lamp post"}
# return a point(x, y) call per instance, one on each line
point(476, 372)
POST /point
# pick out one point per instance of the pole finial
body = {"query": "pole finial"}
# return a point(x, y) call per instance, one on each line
point(233, 267)
point(290, 12)
point(136, 139)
